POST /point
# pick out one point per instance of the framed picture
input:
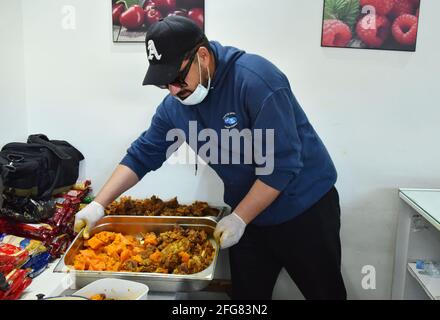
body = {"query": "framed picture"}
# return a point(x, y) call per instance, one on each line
point(371, 24)
point(131, 18)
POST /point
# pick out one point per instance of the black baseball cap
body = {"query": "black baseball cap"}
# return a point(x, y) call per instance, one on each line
point(167, 42)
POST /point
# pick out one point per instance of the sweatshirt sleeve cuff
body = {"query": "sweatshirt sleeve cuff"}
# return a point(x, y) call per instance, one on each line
point(277, 180)
point(135, 165)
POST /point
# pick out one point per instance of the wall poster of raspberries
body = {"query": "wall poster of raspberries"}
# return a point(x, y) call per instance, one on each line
point(131, 18)
point(371, 24)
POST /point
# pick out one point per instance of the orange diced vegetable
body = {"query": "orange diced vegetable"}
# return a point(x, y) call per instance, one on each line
point(185, 256)
point(79, 265)
point(95, 243)
point(125, 255)
point(156, 256)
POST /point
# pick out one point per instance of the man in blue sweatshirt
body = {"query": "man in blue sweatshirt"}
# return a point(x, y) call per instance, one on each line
point(285, 210)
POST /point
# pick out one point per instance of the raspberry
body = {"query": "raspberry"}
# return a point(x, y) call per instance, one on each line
point(402, 7)
point(382, 7)
point(335, 33)
point(373, 30)
point(404, 29)
point(415, 3)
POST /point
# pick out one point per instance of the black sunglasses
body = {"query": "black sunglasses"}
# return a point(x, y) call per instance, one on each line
point(181, 76)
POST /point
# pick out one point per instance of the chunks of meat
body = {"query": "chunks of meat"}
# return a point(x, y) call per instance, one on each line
point(154, 206)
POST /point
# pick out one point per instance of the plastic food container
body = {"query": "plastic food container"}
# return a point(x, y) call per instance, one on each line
point(66, 298)
point(115, 289)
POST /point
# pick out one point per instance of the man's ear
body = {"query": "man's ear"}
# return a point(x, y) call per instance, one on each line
point(204, 55)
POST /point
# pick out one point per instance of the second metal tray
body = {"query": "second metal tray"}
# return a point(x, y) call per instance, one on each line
point(223, 211)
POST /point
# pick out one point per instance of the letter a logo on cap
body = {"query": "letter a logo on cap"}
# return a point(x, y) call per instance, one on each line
point(152, 52)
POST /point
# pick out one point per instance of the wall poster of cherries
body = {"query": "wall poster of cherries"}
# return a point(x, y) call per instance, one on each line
point(131, 18)
point(371, 24)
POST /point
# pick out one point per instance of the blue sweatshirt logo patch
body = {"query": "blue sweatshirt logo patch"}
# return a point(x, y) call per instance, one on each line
point(230, 120)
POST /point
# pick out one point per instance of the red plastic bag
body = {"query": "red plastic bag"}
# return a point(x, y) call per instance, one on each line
point(59, 245)
point(18, 282)
point(11, 257)
point(39, 231)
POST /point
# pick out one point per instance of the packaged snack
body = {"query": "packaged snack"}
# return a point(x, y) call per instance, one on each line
point(33, 247)
point(37, 264)
point(20, 289)
point(88, 199)
point(82, 185)
point(17, 281)
point(58, 216)
point(11, 257)
point(74, 202)
point(59, 245)
point(40, 231)
point(68, 217)
point(76, 193)
point(62, 202)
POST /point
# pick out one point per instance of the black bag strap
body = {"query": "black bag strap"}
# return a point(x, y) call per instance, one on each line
point(3, 164)
point(48, 193)
point(44, 140)
point(5, 168)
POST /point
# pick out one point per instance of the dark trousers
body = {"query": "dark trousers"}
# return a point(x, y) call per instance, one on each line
point(308, 247)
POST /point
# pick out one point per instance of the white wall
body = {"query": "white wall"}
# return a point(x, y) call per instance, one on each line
point(375, 110)
point(13, 121)
point(83, 88)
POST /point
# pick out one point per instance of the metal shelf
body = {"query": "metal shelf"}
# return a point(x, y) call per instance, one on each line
point(431, 285)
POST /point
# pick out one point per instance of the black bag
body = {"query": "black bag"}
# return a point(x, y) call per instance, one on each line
point(39, 168)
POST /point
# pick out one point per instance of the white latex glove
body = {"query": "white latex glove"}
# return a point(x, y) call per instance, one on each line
point(229, 230)
point(87, 218)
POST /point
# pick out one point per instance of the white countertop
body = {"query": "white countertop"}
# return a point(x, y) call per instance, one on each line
point(425, 201)
point(52, 284)
point(46, 283)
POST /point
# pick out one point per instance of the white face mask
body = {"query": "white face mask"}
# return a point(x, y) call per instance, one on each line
point(200, 93)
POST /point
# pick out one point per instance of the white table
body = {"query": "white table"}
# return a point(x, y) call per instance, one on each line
point(418, 237)
point(46, 283)
point(52, 284)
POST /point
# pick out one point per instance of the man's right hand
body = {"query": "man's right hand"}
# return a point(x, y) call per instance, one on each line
point(87, 218)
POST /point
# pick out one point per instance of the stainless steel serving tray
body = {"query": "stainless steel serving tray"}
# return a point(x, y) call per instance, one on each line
point(134, 225)
point(223, 211)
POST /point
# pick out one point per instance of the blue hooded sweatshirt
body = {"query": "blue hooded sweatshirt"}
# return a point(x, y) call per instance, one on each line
point(247, 92)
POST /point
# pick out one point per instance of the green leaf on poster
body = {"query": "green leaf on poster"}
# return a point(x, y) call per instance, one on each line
point(128, 3)
point(344, 10)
